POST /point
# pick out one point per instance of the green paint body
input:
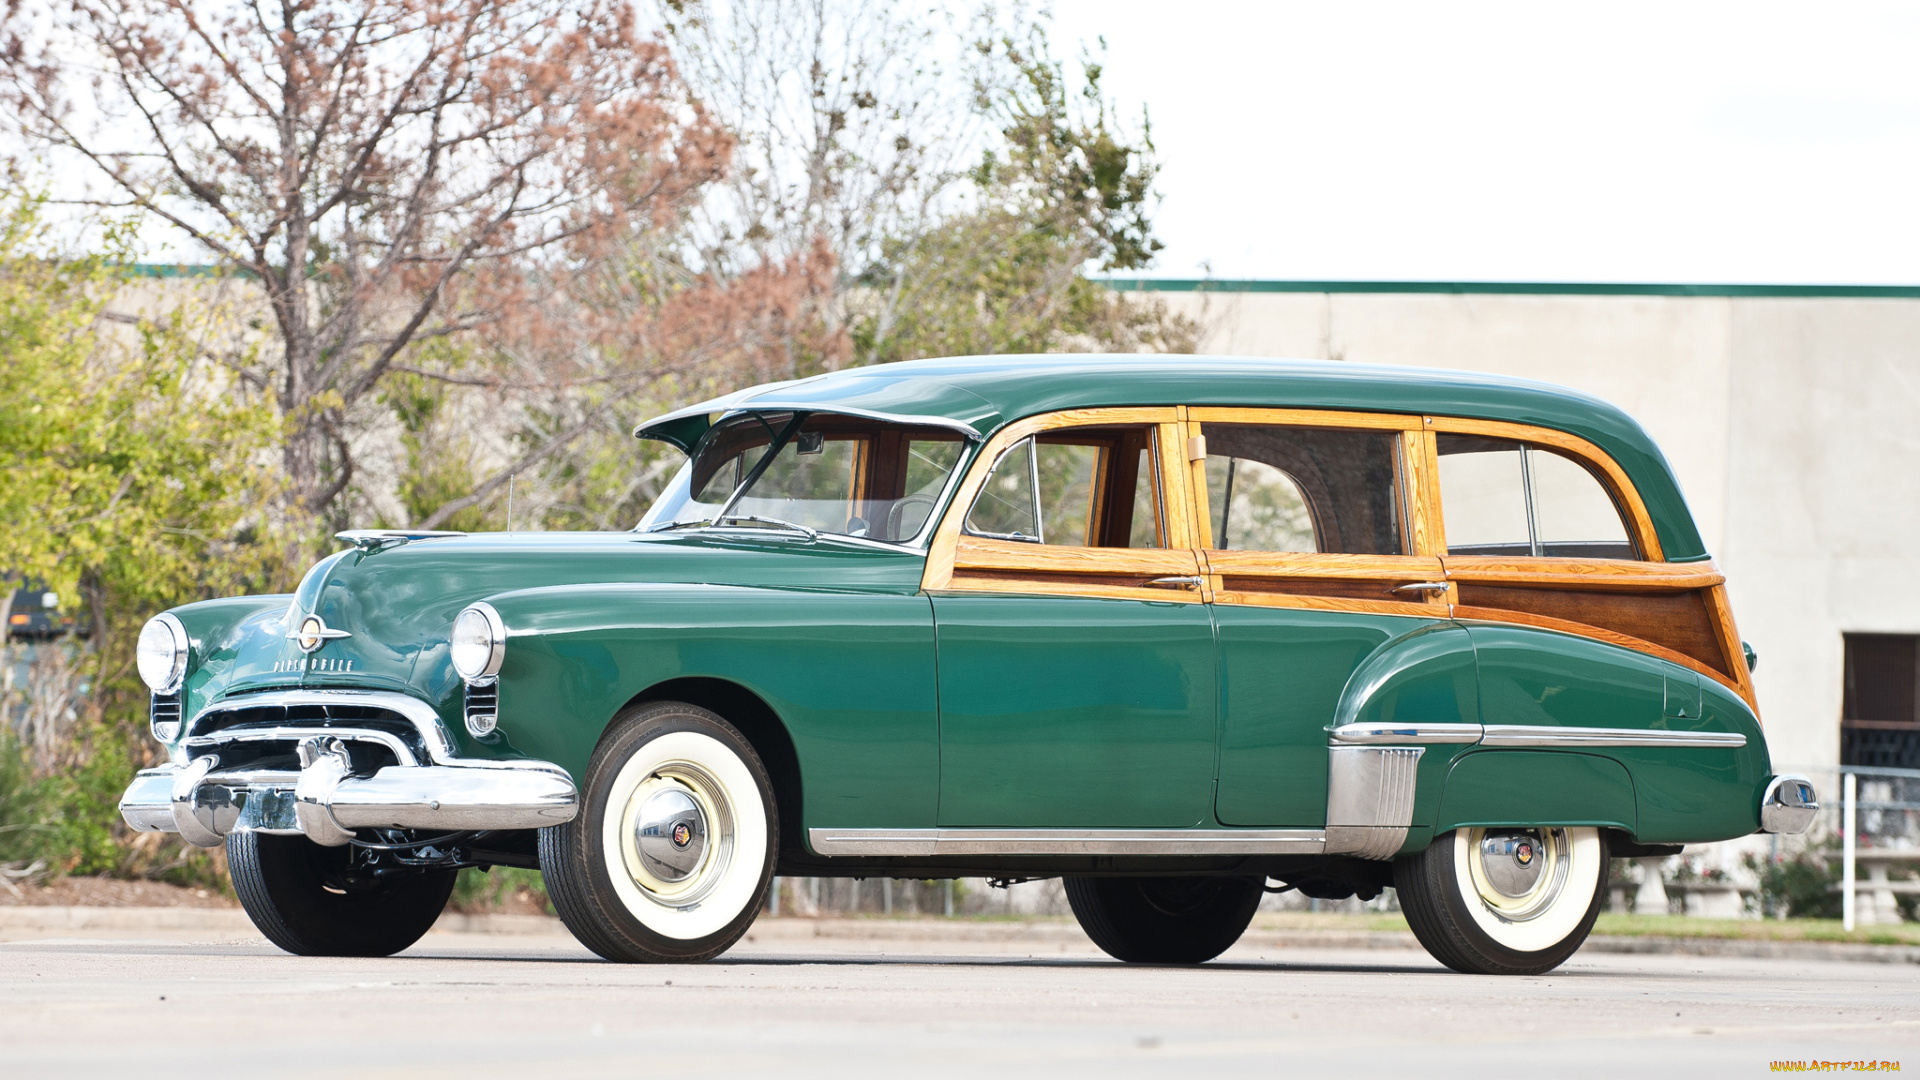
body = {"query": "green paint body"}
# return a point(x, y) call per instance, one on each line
point(912, 711)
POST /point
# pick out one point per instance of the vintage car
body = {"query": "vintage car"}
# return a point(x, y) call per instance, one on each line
point(1171, 628)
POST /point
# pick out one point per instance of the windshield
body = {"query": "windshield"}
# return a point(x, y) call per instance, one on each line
point(831, 474)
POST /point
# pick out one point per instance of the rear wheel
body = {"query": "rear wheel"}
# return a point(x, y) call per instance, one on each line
point(304, 899)
point(1164, 920)
point(671, 854)
point(1505, 901)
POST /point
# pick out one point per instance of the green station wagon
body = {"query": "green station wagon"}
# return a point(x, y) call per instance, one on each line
point(1181, 630)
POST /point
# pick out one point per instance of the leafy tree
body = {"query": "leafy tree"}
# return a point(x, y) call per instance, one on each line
point(386, 171)
point(133, 474)
point(1066, 191)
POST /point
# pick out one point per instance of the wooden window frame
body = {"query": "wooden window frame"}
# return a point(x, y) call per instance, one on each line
point(961, 562)
point(1411, 467)
point(1650, 575)
point(957, 562)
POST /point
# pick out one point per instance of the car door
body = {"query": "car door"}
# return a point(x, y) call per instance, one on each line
point(1319, 556)
point(1076, 657)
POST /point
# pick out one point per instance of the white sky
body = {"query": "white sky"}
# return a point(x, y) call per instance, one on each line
point(1675, 141)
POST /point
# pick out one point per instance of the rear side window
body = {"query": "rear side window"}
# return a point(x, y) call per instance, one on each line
point(1310, 489)
point(1502, 497)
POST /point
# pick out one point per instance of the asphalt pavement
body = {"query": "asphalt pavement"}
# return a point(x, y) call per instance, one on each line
point(781, 1003)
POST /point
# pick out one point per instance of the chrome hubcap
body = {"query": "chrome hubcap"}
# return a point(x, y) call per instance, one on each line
point(1518, 873)
point(678, 837)
point(1512, 862)
point(671, 835)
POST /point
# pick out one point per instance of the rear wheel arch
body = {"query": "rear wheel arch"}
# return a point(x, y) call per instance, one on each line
point(764, 730)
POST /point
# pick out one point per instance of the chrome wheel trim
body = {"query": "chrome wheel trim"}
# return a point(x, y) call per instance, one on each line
point(726, 877)
point(677, 793)
point(1552, 907)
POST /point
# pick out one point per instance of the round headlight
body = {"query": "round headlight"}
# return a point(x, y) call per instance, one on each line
point(161, 653)
point(479, 643)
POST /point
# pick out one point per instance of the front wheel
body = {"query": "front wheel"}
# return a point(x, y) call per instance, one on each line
point(310, 901)
point(1164, 920)
point(1504, 901)
point(671, 854)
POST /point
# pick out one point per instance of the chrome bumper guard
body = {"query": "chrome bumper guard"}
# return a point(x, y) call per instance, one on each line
point(325, 802)
point(1789, 805)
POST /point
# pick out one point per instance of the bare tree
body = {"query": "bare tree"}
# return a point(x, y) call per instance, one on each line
point(390, 171)
point(855, 121)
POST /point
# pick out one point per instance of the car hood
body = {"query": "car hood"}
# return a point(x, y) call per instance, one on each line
point(388, 612)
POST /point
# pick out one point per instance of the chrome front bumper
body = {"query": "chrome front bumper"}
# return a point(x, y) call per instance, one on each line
point(323, 801)
point(427, 787)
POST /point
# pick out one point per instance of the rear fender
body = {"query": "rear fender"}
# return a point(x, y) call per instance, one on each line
point(1407, 712)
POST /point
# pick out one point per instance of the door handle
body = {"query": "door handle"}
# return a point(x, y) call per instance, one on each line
point(1422, 586)
point(1180, 582)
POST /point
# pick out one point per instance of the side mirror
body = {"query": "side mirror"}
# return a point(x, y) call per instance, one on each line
point(1753, 658)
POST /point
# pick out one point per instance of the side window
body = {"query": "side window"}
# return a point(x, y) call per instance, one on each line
point(1502, 497)
point(1077, 488)
point(1306, 489)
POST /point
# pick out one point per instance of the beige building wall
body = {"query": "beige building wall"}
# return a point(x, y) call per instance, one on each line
point(1793, 423)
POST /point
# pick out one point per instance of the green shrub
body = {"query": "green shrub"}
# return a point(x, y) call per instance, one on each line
point(480, 891)
point(1800, 886)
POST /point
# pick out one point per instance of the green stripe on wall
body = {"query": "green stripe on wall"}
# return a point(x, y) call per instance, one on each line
point(1508, 288)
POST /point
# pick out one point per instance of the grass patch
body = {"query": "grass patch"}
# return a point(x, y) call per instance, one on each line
point(1825, 930)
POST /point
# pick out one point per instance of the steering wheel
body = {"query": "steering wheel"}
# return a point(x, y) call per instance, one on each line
point(897, 516)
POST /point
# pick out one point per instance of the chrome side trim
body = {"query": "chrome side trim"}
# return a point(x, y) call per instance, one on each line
point(1528, 735)
point(1789, 805)
point(1404, 734)
point(1066, 841)
point(1370, 799)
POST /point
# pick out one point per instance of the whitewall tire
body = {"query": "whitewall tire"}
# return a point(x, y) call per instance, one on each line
point(1504, 901)
point(673, 850)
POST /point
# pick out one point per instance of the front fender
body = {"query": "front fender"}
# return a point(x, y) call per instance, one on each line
point(850, 675)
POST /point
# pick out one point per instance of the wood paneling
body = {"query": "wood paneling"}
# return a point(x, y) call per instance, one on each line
point(1678, 621)
point(938, 575)
point(983, 553)
point(1608, 574)
point(1306, 418)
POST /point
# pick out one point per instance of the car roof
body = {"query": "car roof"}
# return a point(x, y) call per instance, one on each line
point(980, 394)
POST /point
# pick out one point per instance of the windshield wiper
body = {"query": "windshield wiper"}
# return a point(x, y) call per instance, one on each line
point(812, 534)
point(666, 525)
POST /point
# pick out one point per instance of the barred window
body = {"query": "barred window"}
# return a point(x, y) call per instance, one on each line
point(1880, 706)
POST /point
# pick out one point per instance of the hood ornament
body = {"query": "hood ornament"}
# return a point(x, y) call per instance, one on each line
point(372, 540)
point(313, 633)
